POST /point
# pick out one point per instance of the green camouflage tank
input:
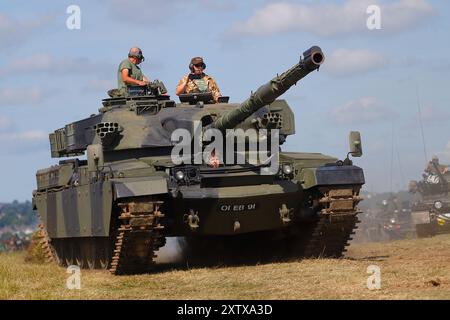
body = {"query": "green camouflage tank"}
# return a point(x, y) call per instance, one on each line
point(431, 211)
point(114, 209)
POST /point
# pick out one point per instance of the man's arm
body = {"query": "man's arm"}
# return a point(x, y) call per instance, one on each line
point(129, 80)
point(181, 88)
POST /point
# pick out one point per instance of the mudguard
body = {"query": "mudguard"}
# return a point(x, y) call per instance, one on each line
point(331, 175)
point(136, 187)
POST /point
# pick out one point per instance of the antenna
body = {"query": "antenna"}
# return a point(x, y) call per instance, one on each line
point(402, 176)
point(421, 124)
point(392, 156)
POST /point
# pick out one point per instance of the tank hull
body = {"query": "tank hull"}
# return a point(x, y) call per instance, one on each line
point(87, 218)
point(429, 220)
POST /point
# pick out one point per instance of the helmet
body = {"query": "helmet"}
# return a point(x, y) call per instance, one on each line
point(136, 53)
point(196, 60)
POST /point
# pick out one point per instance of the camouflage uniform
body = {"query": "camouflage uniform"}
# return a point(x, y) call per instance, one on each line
point(206, 83)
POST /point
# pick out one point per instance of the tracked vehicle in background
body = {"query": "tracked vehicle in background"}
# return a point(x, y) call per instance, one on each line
point(431, 211)
point(115, 209)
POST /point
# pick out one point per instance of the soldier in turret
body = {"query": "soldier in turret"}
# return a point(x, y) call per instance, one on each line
point(197, 81)
point(435, 168)
point(129, 72)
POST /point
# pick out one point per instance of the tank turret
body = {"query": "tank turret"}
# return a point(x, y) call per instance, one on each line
point(150, 112)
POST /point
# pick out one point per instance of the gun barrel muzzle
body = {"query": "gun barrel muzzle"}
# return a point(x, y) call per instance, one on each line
point(313, 58)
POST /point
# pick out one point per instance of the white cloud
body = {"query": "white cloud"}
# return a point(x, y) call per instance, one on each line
point(141, 11)
point(100, 85)
point(445, 155)
point(157, 12)
point(217, 5)
point(330, 19)
point(14, 32)
point(48, 64)
point(432, 114)
point(23, 142)
point(34, 63)
point(432, 117)
point(31, 135)
point(5, 123)
point(20, 96)
point(346, 62)
point(365, 110)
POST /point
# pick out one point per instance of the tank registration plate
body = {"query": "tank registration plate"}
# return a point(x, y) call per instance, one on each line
point(237, 207)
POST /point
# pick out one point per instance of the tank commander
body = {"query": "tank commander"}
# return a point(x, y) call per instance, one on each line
point(129, 72)
point(197, 81)
point(434, 165)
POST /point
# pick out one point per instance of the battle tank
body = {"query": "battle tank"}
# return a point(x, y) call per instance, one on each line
point(431, 211)
point(115, 209)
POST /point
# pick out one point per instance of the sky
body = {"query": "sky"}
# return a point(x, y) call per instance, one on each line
point(388, 83)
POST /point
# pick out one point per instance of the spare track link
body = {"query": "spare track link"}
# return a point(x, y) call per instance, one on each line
point(138, 237)
point(336, 225)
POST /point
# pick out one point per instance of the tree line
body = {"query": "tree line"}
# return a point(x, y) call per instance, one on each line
point(17, 214)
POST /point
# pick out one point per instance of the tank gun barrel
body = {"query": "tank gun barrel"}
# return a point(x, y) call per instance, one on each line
point(267, 93)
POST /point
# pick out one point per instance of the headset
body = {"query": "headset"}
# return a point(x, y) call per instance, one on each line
point(191, 66)
point(138, 55)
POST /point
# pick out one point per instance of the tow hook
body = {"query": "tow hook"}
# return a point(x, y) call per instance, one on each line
point(285, 213)
point(236, 226)
point(192, 219)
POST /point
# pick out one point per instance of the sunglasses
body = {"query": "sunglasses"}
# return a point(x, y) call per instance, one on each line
point(199, 65)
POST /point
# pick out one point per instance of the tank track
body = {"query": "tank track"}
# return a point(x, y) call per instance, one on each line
point(44, 243)
point(139, 235)
point(336, 224)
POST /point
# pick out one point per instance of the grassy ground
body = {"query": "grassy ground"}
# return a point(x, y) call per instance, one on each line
point(410, 269)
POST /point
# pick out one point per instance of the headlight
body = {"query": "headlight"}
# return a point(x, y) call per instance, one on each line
point(392, 221)
point(287, 169)
point(438, 205)
point(179, 175)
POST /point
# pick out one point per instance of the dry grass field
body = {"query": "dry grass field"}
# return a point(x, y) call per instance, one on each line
point(410, 269)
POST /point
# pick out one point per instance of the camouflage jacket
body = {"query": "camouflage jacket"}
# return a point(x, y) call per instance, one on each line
point(192, 86)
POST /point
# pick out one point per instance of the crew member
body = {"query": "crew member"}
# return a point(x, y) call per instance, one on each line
point(197, 81)
point(129, 72)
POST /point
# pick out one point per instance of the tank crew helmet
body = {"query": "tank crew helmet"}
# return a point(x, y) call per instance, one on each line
point(196, 61)
point(136, 53)
point(435, 159)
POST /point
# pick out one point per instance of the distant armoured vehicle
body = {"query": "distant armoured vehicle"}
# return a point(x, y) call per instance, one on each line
point(116, 208)
point(396, 219)
point(431, 212)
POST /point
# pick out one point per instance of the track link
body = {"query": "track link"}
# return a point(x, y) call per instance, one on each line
point(337, 222)
point(139, 235)
point(44, 243)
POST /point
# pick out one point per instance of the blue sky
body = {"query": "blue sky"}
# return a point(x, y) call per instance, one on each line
point(371, 81)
